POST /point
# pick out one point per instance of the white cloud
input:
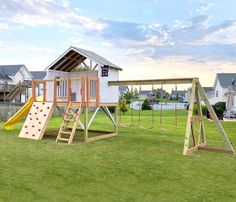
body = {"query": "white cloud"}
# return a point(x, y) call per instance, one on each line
point(3, 26)
point(46, 12)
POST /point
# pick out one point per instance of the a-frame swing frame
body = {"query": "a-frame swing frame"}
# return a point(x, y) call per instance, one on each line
point(197, 94)
point(200, 143)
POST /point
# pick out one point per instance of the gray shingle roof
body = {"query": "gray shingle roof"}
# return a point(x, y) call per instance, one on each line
point(226, 79)
point(10, 70)
point(38, 74)
point(74, 56)
point(4, 77)
point(208, 89)
point(95, 57)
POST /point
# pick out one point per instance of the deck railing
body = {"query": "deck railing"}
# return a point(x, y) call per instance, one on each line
point(61, 91)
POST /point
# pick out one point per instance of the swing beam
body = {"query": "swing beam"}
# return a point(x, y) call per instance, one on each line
point(197, 95)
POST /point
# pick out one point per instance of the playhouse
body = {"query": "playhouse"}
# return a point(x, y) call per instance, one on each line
point(77, 79)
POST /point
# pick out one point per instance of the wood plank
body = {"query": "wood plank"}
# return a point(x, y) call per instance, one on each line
point(152, 81)
point(214, 149)
point(194, 149)
point(197, 118)
point(190, 114)
point(100, 137)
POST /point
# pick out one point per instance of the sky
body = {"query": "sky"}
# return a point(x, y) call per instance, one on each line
point(147, 38)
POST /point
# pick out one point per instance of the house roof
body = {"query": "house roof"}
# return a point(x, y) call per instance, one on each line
point(174, 92)
point(123, 88)
point(38, 74)
point(4, 77)
point(225, 79)
point(10, 70)
point(146, 92)
point(208, 89)
point(74, 56)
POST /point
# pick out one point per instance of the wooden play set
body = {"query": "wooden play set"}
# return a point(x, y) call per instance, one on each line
point(80, 80)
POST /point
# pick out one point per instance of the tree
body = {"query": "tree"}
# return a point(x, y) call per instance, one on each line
point(128, 96)
point(146, 105)
point(122, 105)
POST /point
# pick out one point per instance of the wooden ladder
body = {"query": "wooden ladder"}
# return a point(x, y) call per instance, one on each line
point(66, 128)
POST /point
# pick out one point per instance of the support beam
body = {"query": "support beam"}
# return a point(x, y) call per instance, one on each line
point(190, 114)
point(107, 112)
point(93, 116)
point(152, 81)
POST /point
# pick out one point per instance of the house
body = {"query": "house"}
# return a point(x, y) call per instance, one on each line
point(14, 81)
point(39, 75)
point(16, 73)
point(179, 95)
point(143, 94)
point(231, 101)
point(221, 84)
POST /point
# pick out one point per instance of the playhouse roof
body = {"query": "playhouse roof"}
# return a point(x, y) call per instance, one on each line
point(74, 56)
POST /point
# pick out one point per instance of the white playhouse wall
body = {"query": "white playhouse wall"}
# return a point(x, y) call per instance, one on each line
point(108, 94)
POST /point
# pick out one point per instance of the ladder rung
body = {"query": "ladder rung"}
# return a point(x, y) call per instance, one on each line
point(64, 132)
point(63, 139)
point(70, 127)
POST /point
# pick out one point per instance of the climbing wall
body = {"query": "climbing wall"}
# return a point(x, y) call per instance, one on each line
point(37, 120)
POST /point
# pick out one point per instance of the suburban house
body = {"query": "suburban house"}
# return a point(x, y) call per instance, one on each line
point(179, 95)
point(222, 82)
point(14, 83)
point(143, 94)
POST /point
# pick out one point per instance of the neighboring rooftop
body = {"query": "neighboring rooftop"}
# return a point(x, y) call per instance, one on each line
point(4, 77)
point(226, 79)
point(75, 56)
point(208, 89)
point(10, 70)
point(38, 75)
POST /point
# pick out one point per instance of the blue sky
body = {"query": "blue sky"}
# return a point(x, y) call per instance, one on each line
point(147, 38)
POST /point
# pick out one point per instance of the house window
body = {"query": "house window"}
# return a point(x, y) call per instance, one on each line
point(93, 88)
point(217, 93)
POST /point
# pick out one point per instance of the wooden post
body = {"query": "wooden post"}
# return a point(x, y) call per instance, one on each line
point(215, 118)
point(55, 92)
point(33, 91)
point(201, 126)
point(116, 119)
point(44, 91)
point(190, 114)
point(97, 92)
point(88, 91)
point(86, 122)
point(69, 93)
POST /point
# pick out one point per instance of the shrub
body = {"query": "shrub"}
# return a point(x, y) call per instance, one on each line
point(195, 109)
point(219, 107)
point(146, 105)
point(122, 105)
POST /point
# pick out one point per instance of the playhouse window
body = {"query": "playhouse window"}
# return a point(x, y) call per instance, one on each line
point(217, 93)
point(93, 88)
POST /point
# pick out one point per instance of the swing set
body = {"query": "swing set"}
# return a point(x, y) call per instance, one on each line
point(196, 96)
point(140, 125)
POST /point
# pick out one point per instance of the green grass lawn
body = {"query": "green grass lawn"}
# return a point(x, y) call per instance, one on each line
point(138, 165)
